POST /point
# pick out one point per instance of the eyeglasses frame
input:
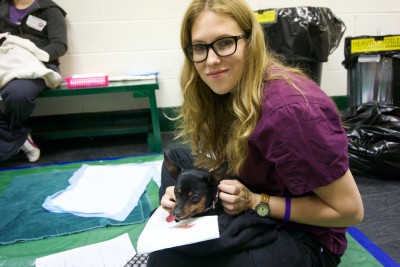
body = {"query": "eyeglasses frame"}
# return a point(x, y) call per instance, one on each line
point(211, 45)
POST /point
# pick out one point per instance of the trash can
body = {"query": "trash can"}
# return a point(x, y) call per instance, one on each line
point(302, 36)
point(373, 65)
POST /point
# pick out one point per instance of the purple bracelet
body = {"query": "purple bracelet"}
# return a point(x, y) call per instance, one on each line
point(287, 209)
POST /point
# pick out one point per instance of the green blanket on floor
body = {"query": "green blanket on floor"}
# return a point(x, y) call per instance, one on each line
point(24, 254)
point(24, 219)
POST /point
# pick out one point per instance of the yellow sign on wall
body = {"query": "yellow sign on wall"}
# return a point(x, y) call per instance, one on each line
point(388, 43)
point(267, 16)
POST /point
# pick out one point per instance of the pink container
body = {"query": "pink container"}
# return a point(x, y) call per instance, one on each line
point(95, 81)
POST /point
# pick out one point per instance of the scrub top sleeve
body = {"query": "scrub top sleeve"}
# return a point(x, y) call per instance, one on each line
point(307, 144)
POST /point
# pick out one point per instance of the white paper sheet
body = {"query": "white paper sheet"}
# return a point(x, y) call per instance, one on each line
point(116, 252)
point(157, 174)
point(110, 191)
point(159, 234)
point(131, 78)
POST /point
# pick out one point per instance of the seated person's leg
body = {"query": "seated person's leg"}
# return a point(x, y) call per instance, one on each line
point(19, 98)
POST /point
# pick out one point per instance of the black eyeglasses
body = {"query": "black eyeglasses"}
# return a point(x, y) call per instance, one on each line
point(222, 47)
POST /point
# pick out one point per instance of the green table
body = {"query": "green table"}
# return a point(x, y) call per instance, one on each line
point(138, 88)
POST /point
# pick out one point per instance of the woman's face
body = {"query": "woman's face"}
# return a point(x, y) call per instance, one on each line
point(221, 74)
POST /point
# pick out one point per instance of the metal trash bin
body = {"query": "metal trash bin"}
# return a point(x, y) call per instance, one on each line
point(373, 65)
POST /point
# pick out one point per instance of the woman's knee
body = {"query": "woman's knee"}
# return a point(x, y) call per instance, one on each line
point(22, 90)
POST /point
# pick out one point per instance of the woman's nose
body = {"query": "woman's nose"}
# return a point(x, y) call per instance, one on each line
point(212, 57)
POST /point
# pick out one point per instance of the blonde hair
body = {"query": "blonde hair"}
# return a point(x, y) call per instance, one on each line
point(218, 126)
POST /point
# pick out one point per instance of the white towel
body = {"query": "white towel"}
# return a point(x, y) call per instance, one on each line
point(110, 191)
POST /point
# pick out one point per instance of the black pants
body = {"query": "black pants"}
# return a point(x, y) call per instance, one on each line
point(19, 97)
point(289, 248)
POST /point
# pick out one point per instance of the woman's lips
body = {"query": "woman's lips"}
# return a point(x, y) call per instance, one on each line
point(216, 74)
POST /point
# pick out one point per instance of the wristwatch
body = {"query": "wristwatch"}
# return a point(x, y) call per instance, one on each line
point(262, 209)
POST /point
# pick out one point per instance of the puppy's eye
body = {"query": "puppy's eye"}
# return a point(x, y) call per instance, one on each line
point(195, 199)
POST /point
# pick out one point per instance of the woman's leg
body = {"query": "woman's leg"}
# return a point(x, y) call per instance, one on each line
point(19, 97)
point(290, 249)
point(170, 258)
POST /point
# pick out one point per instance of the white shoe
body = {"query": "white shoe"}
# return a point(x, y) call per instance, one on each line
point(31, 150)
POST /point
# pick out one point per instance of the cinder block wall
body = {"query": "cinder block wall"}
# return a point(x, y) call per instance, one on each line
point(135, 36)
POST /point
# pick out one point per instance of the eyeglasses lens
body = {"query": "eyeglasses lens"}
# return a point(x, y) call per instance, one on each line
point(222, 47)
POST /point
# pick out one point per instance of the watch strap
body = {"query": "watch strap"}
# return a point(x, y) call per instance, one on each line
point(265, 198)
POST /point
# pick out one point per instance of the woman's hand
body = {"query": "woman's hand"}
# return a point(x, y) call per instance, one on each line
point(235, 197)
point(168, 199)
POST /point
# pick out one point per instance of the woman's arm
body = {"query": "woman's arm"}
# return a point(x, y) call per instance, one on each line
point(57, 34)
point(338, 204)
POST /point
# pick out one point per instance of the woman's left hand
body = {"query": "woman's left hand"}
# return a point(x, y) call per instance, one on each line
point(235, 197)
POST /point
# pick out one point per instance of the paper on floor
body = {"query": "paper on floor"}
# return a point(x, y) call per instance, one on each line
point(110, 191)
point(157, 175)
point(112, 253)
point(159, 234)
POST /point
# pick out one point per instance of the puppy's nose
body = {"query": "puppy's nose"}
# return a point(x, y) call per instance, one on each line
point(177, 213)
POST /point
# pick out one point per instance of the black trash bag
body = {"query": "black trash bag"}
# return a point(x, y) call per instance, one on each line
point(307, 34)
point(373, 130)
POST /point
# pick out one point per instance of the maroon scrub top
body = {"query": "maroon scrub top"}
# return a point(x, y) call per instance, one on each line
point(298, 145)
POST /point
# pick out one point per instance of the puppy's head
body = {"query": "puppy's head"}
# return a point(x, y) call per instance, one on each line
point(195, 190)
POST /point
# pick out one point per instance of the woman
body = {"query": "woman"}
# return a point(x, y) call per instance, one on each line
point(43, 23)
point(280, 133)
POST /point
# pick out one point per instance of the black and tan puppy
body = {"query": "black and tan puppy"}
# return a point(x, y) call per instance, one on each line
point(196, 191)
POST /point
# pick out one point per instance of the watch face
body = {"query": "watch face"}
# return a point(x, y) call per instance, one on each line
point(262, 210)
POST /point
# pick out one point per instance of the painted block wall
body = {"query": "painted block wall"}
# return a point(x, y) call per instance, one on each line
point(135, 36)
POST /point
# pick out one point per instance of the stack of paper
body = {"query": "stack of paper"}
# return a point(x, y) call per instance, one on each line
point(134, 76)
point(110, 191)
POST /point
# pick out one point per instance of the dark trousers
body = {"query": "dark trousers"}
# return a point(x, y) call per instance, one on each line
point(290, 248)
point(19, 100)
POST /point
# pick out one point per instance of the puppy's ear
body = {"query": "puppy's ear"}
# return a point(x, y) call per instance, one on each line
point(172, 168)
point(218, 175)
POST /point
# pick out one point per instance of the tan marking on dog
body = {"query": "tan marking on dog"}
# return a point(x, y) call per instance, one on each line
point(197, 208)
